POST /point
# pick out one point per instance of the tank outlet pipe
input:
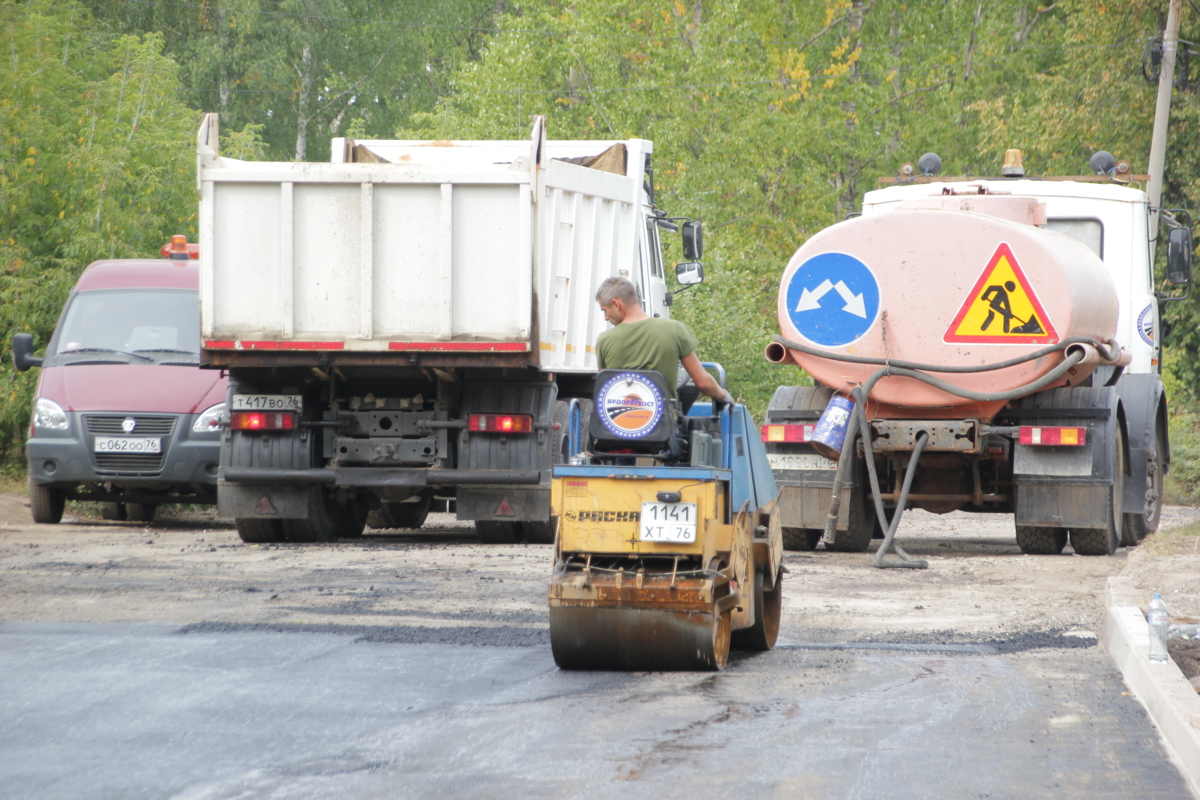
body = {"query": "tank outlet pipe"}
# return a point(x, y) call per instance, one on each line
point(861, 393)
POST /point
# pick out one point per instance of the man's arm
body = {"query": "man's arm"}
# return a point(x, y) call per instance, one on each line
point(705, 382)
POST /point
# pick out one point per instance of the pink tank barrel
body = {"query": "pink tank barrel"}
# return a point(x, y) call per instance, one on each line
point(942, 286)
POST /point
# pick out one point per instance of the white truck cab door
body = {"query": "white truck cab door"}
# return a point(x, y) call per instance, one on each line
point(652, 285)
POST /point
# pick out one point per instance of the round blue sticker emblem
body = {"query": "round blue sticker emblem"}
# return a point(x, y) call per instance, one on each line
point(833, 299)
point(1145, 325)
point(630, 406)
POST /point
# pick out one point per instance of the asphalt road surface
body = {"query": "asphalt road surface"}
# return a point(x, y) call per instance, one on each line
point(171, 661)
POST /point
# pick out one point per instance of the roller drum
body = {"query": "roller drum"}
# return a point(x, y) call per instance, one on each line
point(638, 639)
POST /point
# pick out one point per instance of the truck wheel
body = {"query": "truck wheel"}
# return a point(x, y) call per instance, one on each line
point(321, 525)
point(114, 511)
point(1136, 527)
point(800, 538)
point(140, 512)
point(768, 608)
point(259, 531)
point(539, 532)
point(496, 532)
point(1105, 541)
point(46, 504)
point(860, 524)
point(351, 519)
point(1035, 541)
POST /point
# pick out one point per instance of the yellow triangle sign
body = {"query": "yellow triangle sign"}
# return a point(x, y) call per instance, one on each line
point(1002, 308)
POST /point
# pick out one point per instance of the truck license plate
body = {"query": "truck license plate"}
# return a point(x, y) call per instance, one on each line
point(668, 522)
point(267, 402)
point(801, 461)
point(127, 444)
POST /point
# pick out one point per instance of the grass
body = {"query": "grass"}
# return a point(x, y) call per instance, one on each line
point(1184, 540)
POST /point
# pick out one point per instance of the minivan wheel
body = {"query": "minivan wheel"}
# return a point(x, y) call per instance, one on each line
point(46, 504)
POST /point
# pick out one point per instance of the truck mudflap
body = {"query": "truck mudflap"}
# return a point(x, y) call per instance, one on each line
point(1077, 487)
point(805, 479)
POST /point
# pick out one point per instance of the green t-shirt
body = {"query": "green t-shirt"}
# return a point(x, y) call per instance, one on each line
point(655, 343)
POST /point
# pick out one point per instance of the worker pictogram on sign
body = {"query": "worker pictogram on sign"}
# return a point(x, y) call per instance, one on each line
point(1002, 308)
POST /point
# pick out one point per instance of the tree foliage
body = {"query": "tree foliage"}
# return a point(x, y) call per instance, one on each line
point(307, 70)
point(95, 163)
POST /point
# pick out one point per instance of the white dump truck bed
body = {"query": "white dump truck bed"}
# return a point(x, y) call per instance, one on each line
point(420, 246)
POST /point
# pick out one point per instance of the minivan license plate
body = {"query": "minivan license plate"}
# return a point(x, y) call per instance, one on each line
point(668, 522)
point(127, 444)
point(267, 402)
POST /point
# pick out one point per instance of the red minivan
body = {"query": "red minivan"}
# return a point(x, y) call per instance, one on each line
point(123, 414)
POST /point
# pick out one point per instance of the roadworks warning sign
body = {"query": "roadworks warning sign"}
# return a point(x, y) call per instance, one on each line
point(1002, 308)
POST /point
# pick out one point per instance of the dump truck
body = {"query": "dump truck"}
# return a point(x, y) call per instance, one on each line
point(991, 345)
point(408, 322)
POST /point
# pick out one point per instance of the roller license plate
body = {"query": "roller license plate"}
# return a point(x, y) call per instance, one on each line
point(668, 522)
point(127, 444)
point(267, 402)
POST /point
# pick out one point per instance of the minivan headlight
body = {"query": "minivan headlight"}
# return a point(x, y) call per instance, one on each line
point(210, 420)
point(49, 415)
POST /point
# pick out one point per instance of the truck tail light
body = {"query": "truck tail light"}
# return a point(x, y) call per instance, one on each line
point(500, 423)
point(1068, 437)
point(263, 421)
point(787, 433)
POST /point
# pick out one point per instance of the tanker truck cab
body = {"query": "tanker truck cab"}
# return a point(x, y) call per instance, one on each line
point(1008, 328)
point(122, 413)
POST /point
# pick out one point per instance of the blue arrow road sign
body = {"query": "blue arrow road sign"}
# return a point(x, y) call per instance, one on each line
point(833, 299)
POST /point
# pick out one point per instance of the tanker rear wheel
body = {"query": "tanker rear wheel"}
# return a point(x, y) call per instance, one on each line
point(1105, 541)
point(768, 609)
point(800, 538)
point(860, 524)
point(638, 639)
point(539, 532)
point(1036, 541)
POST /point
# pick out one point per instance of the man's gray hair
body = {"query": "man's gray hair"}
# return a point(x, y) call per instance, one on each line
point(617, 289)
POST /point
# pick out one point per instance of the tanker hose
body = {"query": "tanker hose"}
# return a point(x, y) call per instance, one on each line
point(1110, 351)
point(889, 539)
point(860, 395)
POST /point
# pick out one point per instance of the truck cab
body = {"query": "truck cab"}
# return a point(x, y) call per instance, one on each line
point(122, 414)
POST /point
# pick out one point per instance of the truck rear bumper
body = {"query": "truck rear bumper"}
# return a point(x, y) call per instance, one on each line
point(377, 477)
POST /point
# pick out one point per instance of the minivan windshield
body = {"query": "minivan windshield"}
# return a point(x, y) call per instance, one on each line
point(147, 324)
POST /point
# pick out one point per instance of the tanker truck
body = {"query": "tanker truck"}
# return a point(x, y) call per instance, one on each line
point(989, 345)
point(407, 323)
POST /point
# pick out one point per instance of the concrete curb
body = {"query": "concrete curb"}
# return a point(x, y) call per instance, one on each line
point(1173, 705)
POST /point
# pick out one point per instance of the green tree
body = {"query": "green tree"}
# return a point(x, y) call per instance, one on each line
point(95, 162)
point(307, 70)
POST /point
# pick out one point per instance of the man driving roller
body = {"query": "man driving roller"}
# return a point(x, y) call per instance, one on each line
point(642, 342)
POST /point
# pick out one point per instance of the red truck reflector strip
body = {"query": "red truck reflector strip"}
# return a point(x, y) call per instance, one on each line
point(263, 421)
point(1069, 437)
point(500, 423)
point(787, 433)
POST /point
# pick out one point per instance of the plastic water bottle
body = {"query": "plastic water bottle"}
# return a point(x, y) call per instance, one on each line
point(1156, 618)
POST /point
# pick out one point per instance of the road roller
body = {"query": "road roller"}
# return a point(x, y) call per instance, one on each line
point(668, 549)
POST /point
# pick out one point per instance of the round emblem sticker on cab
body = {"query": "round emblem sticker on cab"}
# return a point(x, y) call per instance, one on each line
point(630, 405)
